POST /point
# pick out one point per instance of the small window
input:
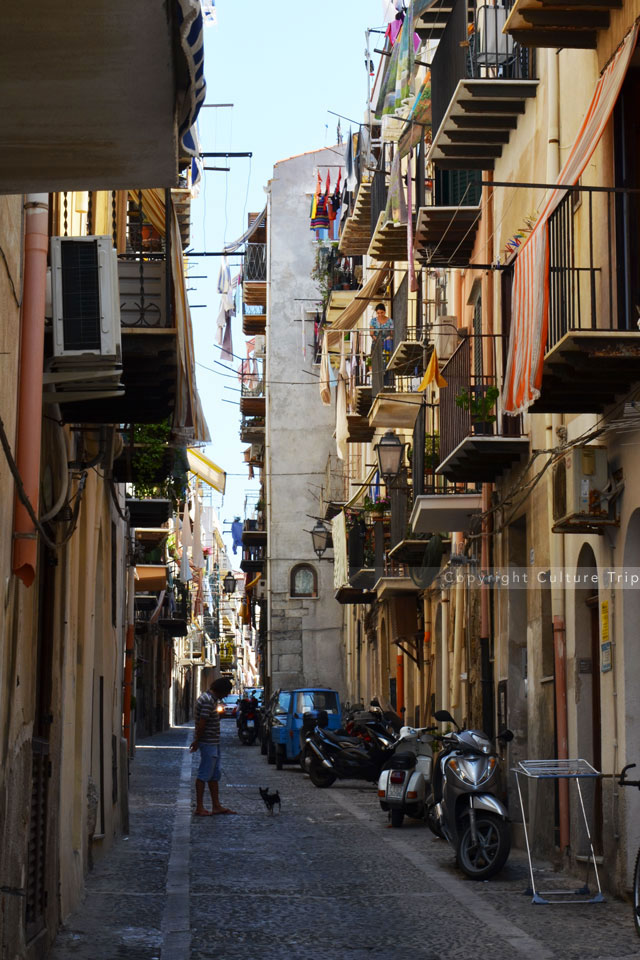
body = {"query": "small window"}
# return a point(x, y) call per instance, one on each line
point(304, 581)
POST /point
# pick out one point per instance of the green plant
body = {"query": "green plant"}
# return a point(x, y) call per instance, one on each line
point(432, 451)
point(159, 469)
point(479, 405)
point(322, 271)
point(377, 505)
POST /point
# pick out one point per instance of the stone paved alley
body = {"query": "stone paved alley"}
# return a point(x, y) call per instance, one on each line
point(325, 879)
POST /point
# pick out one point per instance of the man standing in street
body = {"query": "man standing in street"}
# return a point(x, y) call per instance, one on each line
point(207, 741)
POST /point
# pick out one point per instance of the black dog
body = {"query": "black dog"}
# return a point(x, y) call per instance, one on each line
point(270, 799)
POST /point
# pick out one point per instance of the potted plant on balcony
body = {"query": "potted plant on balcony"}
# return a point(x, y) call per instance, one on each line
point(376, 506)
point(480, 404)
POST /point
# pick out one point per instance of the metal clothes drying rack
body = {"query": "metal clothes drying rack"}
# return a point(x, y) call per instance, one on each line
point(559, 770)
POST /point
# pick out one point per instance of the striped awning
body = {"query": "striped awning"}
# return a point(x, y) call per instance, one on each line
point(190, 28)
point(530, 298)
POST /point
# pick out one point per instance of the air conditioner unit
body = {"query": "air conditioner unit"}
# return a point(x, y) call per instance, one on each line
point(445, 336)
point(85, 299)
point(581, 489)
point(261, 589)
point(493, 47)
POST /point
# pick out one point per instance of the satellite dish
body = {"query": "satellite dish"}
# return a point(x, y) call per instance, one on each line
point(424, 575)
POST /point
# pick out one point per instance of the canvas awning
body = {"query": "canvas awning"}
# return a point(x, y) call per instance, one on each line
point(351, 314)
point(530, 297)
point(418, 123)
point(206, 469)
point(257, 223)
point(150, 577)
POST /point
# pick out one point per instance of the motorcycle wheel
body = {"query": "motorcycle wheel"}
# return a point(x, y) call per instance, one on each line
point(248, 737)
point(319, 775)
point(397, 818)
point(486, 857)
point(636, 894)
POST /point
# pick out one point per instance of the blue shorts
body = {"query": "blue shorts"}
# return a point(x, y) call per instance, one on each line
point(209, 768)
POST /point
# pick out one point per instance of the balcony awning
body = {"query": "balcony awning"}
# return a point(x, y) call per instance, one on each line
point(350, 316)
point(206, 469)
point(530, 297)
point(418, 123)
point(249, 232)
point(189, 415)
point(150, 578)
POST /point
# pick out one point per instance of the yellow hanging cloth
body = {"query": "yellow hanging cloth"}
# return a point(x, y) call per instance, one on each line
point(433, 374)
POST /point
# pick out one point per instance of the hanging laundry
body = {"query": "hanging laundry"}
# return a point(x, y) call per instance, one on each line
point(314, 202)
point(236, 533)
point(321, 219)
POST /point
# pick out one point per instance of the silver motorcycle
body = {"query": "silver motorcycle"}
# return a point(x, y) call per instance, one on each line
point(462, 807)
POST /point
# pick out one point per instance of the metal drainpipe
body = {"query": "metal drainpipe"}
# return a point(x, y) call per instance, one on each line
point(556, 541)
point(490, 366)
point(29, 430)
point(129, 650)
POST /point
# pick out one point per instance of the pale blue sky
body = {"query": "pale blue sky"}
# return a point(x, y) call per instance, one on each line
point(283, 66)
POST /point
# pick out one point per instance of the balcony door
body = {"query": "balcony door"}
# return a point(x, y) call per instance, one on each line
point(627, 170)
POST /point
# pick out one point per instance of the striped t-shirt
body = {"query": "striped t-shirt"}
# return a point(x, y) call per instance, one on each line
point(206, 708)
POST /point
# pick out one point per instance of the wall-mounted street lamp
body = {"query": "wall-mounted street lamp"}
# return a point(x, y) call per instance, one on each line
point(320, 536)
point(229, 583)
point(390, 452)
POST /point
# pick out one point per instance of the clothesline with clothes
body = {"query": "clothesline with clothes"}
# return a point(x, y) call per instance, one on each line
point(227, 288)
point(326, 204)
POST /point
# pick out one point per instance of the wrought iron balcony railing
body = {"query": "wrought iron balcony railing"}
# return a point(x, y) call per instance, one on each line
point(255, 263)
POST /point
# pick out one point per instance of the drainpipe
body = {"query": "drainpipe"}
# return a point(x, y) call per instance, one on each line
point(400, 705)
point(29, 432)
point(128, 663)
point(491, 367)
point(556, 540)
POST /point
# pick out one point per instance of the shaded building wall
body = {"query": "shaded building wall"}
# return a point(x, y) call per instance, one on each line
point(306, 645)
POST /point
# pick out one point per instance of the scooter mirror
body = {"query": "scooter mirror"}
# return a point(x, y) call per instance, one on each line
point(443, 716)
point(506, 736)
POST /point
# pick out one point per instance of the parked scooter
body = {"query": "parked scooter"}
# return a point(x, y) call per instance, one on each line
point(462, 807)
point(331, 756)
point(248, 720)
point(403, 786)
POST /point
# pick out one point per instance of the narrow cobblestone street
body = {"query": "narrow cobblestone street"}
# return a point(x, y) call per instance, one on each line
point(325, 878)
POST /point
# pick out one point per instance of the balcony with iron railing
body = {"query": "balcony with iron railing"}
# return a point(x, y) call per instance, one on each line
point(356, 232)
point(254, 557)
point(254, 319)
point(481, 80)
point(439, 505)
point(254, 532)
point(252, 398)
point(592, 354)
point(447, 222)
point(108, 375)
point(477, 442)
point(254, 275)
point(395, 400)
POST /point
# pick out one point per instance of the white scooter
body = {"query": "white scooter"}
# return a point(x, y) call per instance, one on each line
point(403, 786)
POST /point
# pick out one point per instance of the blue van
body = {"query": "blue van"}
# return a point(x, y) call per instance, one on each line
point(293, 709)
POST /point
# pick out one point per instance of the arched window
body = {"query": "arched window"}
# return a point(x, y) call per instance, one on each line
point(303, 581)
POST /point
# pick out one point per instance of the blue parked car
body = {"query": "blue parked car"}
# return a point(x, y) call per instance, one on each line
point(291, 711)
